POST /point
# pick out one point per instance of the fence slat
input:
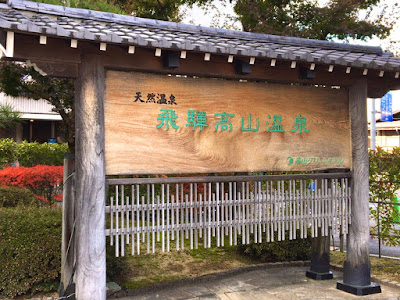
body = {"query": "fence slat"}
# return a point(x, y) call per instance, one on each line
point(215, 210)
point(117, 221)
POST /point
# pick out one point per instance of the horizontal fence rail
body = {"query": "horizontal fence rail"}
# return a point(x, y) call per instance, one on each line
point(214, 210)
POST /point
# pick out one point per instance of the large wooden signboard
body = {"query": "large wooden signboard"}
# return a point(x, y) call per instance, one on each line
point(167, 124)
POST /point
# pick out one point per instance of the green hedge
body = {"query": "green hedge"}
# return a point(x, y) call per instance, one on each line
point(8, 152)
point(15, 196)
point(30, 250)
point(287, 250)
point(31, 154)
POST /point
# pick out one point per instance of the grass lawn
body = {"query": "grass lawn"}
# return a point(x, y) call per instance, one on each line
point(149, 269)
point(382, 267)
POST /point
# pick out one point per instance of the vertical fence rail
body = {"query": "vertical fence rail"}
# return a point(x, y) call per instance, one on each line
point(155, 212)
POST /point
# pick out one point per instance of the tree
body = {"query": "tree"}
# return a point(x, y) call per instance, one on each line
point(384, 178)
point(168, 10)
point(337, 19)
point(9, 117)
point(302, 18)
point(19, 80)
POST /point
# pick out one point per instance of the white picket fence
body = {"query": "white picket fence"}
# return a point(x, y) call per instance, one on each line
point(213, 210)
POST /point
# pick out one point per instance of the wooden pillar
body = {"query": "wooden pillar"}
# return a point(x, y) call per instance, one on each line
point(31, 131)
point(68, 236)
point(19, 132)
point(320, 252)
point(357, 271)
point(320, 259)
point(90, 275)
point(53, 129)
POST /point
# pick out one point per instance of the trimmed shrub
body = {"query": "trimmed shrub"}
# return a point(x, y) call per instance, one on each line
point(44, 181)
point(31, 154)
point(8, 152)
point(287, 250)
point(14, 196)
point(30, 250)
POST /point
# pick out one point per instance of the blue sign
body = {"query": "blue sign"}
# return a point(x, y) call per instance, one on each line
point(386, 108)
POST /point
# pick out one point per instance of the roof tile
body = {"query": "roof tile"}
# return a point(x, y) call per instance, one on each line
point(39, 18)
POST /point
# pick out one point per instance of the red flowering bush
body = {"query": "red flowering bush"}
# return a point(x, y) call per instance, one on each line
point(44, 181)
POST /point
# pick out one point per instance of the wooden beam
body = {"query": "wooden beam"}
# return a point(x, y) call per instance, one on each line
point(64, 70)
point(357, 271)
point(90, 276)
point(194, 65)
point(379, 86)
point(67, 241)
point(239, 177)
point(117, 57)
point(56, 50)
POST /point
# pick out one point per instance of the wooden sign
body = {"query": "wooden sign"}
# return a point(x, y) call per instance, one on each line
point(166, 124)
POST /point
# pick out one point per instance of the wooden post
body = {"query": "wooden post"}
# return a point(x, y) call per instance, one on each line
point(320, 253)
point(357, 271)
point(67, 241)
point(90, 278)
point(320, 259)
point(53, 130)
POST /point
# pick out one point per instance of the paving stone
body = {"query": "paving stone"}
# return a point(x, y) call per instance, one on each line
point(284, 282)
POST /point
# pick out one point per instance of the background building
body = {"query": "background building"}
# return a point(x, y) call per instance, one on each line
point(40, 122)
point(387, 133)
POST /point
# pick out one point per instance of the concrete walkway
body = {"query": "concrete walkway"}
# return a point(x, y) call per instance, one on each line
point(268, 282)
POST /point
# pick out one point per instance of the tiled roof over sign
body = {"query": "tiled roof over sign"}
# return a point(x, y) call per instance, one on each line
point(81, 24)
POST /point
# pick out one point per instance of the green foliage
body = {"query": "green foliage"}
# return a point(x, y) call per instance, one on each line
point(154, 9)
point(108, 6)
point(15, 197)
point(287, 250)
point(336, 19)
point(30, 250)
point(31, 154)
point(9, 117)
point(58, 91)
point(8, 152)
point(303, 18)
point(384, 178)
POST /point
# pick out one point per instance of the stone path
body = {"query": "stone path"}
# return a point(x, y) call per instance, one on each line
point(284, 282)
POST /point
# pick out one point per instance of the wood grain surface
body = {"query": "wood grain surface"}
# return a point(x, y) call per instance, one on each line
point(134, 144)
point(90, 247)
point(358, 242)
